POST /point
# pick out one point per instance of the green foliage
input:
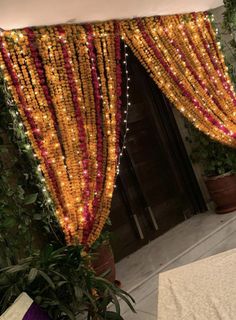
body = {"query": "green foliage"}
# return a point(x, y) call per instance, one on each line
point(226, 38)
point(26, 217)
point(229, 27)
point(63, 283)
point(213, 157)
point(230, 15)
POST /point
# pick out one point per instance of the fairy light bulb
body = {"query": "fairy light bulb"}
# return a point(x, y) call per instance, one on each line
point(27, 146)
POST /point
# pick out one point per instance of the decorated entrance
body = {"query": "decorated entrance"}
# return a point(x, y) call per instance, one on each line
point(85, 117)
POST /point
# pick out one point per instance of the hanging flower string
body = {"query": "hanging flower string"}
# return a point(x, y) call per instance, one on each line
point(181, 54)
point(98, 107)
point(118, 83)
point(80, 126)
point(70, 103)
point(66, 82)
point(179, 84)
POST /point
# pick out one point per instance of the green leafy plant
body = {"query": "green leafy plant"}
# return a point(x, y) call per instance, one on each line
point(214, 158)
point(225, 32)
point(63, 283)
point(230, 15)
point(26, 216)
point(228, 28)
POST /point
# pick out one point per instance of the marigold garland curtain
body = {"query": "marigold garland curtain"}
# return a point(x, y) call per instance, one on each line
point(66, 82)
point(182, 56)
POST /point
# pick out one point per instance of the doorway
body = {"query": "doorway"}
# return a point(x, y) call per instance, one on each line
point(156, 188)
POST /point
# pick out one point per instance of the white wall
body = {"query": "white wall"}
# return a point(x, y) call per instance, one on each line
point(22, 13)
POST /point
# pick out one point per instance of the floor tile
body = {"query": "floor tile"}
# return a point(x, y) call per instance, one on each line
point(149, 304)
point(227, 244)
point(138, 316)
point(142, 293)
point(144, 263)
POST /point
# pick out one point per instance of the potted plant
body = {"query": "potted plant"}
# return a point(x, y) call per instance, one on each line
point(62, 282)
point(219, 166)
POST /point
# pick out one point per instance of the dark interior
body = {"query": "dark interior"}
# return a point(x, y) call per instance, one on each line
point(156, 188)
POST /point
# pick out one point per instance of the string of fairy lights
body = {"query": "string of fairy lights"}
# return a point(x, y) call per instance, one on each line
point(25, 147)
point(126, 106)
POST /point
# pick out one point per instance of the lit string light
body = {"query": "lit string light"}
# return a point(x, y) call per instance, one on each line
point(126, 108)
point(25, 146)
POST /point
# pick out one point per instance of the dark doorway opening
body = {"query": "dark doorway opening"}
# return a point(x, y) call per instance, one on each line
point(156, 187)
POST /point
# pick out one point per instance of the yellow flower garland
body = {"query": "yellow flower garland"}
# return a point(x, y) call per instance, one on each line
point(55, 94)
point(65, 81)
point(178, 51)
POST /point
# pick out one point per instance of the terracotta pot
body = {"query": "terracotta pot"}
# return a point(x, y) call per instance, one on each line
point(105, 261)
point(222, 190)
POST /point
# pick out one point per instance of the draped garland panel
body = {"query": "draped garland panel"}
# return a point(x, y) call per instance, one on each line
point(183, 57)
point(66, 82)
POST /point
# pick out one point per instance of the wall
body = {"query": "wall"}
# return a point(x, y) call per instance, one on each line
point(21, 13)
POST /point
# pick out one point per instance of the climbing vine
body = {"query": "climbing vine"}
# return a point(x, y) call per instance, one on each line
point(26, 210)
point(230, 15)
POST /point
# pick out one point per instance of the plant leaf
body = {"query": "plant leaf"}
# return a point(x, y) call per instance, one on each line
point(32, 275)
point(17, 268)
point(91, 299)
point(123, 297)
point(30, 198)
point(67, 312)
point(115, 301)
point(47, 278)
point(61, 283)
point(59, 275)
point(9, 222)
point(78, 292)
point(126, 294)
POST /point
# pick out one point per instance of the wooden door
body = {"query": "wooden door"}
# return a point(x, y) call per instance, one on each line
point(156, 188)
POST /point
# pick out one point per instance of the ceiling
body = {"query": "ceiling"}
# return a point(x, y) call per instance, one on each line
point(22, 13)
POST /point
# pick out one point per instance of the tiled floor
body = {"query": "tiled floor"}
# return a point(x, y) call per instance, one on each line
point(201, 236)
point(145, 309)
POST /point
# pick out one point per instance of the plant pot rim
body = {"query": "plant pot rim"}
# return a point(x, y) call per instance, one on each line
point(220, 176)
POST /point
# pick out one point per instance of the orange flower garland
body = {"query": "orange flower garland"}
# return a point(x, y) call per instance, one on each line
point(181, 55)
point(68, 101)
point(66, 82)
